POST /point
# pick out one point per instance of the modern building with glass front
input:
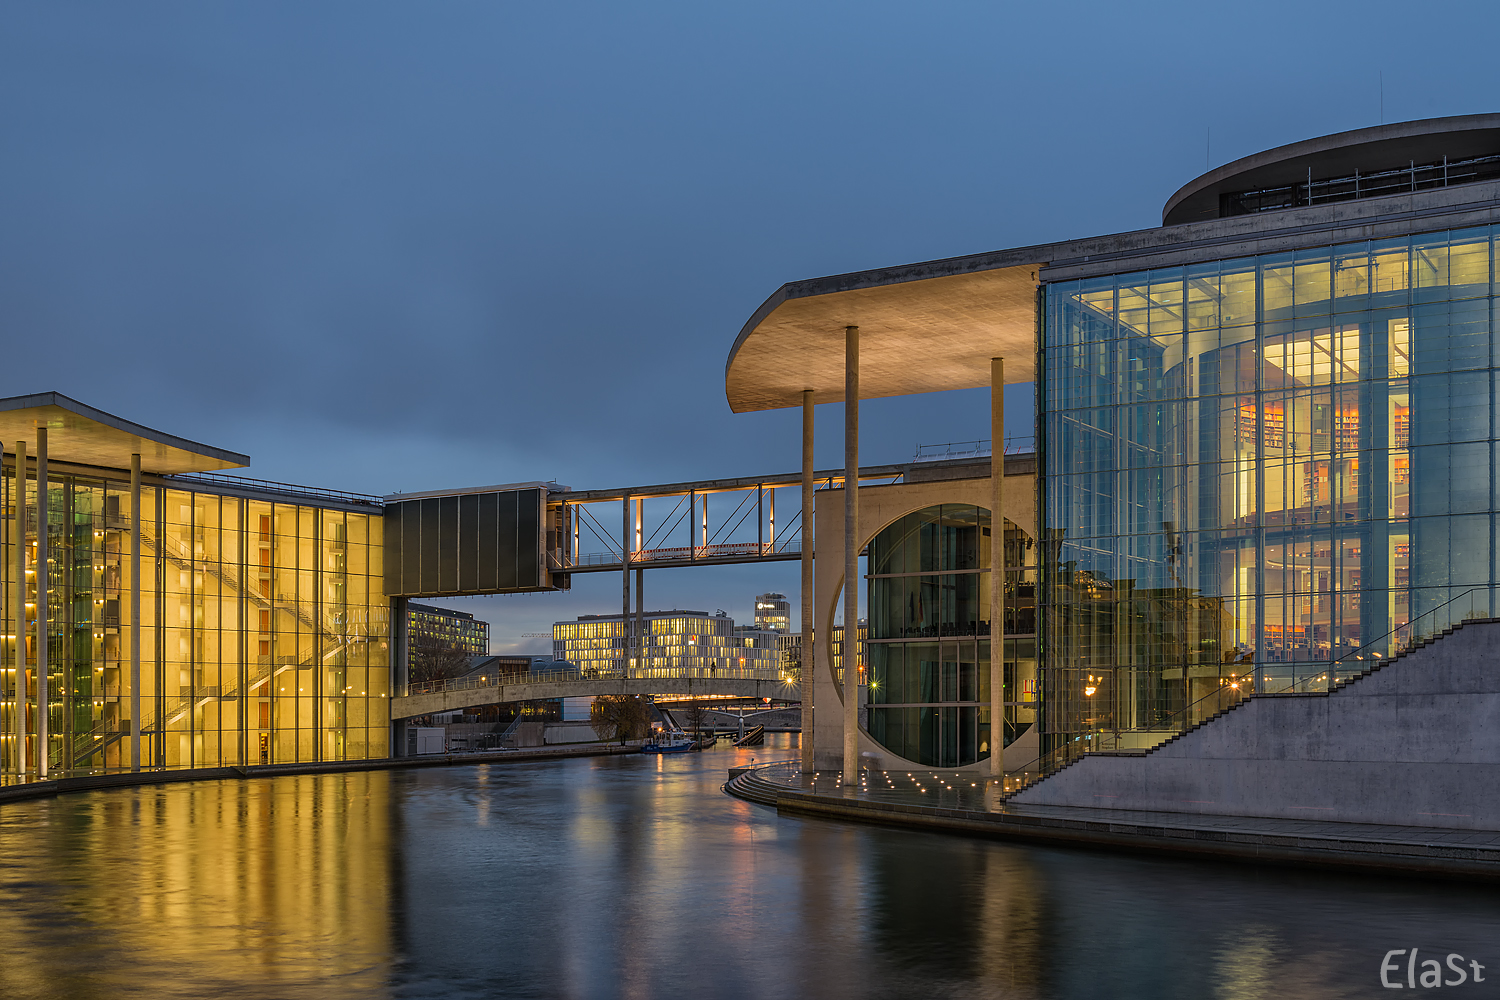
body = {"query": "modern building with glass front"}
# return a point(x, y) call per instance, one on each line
point(1267, 452)
point(245, 623)
point(1267, 449)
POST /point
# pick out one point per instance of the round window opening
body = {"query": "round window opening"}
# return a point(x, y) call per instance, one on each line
point(928, 649)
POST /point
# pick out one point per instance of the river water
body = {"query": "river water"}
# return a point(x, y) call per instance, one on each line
point(637, 877)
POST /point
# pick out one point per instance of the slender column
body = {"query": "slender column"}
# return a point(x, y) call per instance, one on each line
point(807, 580)
point(641, 583)
point(18, 602)
point(43, 608)
point(771, 522)
point(135, 613)
point(760, 519)
point(692, 519)
point(997, 567)
point(851, 555)
point(625, 583)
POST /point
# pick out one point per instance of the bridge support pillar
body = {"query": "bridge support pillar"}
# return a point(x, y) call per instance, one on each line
point(850, 658)
point(625, 534)
point(808, 658)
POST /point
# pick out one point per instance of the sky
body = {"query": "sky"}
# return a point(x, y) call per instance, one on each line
point(389, 247)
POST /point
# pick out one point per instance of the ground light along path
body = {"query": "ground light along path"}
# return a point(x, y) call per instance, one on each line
point(637, 877)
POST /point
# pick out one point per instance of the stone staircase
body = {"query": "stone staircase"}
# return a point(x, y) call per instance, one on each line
point(748, 785)
point(1375, 667)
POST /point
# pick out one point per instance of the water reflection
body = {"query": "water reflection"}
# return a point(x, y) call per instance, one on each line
point(634, 877)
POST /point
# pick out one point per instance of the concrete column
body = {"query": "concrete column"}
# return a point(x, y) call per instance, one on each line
point(850, 657)
point(625, 583)
point(18, 602)
point(640, 583)
point(807, 581)
point(43, 582)
point(770, 522)
point(997, 567)
point(135, 613)
point(400, 670)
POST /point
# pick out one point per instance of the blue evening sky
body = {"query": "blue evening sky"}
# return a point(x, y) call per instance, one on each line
point(401, 246)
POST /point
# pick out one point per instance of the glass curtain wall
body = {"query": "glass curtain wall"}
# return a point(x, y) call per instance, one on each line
point(929, 648)
point(674, 645)
point(1262, 472)
point(264, 630)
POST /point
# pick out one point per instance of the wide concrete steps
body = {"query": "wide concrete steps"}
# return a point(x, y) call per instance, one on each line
point(749, 786)
point(1216, 718)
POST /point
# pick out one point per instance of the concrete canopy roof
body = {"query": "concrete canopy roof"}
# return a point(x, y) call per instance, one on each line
point(922, 328)
point(82, 435)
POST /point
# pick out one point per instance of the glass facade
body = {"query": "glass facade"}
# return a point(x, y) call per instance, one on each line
point(676, 643)
point(1262, 471)
point(264, 629)
point(929, 635)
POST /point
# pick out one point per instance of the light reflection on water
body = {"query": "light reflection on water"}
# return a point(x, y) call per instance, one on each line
point(635, 877)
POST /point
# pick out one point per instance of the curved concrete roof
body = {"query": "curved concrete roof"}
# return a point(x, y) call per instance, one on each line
point(82, 435)
point(1368, 149)
point(923, 328)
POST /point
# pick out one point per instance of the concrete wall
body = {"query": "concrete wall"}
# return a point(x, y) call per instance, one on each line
point(1414, 744)
point(878, 507)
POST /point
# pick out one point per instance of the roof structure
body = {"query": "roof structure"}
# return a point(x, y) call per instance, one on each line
point(1380, 147)
point(954, 316)
point(82, 435)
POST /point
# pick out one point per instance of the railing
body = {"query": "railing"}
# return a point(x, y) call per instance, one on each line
point(1472, 604)
point(1403, 637)
point(981, 448)
point(470, 683)
point(686, 553)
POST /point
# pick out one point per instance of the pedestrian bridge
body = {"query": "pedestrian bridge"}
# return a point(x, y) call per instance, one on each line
point(488, 689)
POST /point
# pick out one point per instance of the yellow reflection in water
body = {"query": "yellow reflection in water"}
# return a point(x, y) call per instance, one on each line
point(251, 888)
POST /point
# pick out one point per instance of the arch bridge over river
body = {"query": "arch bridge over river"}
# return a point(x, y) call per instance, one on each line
point(487, 689)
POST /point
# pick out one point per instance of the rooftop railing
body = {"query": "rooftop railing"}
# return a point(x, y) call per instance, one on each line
point(981, 448)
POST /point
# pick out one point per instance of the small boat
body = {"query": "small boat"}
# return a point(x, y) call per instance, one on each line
point(670, 742)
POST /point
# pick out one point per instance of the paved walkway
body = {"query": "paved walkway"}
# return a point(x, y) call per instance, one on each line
point(960, 802)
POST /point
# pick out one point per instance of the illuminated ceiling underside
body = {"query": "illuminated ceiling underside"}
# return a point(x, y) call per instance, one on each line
point(82, 435)
point(926, 335)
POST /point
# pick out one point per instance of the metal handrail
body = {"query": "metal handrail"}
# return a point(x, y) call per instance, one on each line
point(1411, 638)
point(1020, 445)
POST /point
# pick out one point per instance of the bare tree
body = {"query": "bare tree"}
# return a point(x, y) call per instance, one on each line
point(619, 716)
point(695, 716)
point(434, 660)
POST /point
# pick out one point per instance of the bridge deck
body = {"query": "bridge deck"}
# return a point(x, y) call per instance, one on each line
point(470, 693)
